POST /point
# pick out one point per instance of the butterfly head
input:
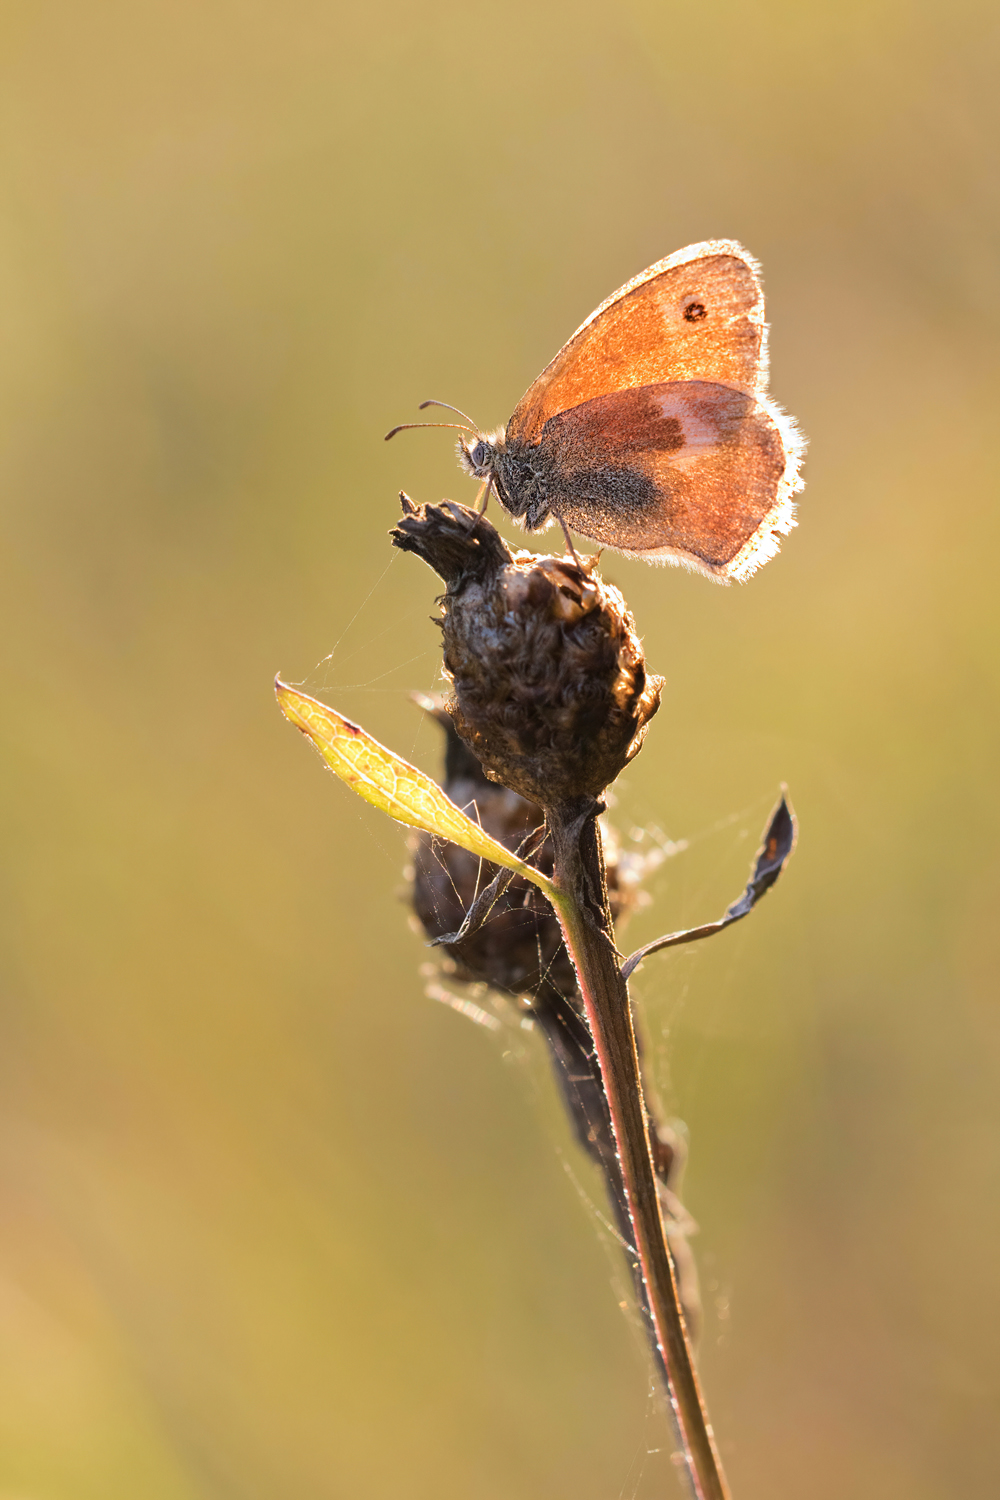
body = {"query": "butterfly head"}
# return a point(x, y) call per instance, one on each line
point(518, 474)
point(480, 454)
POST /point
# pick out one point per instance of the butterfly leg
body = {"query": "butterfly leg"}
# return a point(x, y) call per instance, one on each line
point(569, 539)
point(483, 498)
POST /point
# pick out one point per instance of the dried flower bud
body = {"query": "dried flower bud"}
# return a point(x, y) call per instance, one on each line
point(550, 684)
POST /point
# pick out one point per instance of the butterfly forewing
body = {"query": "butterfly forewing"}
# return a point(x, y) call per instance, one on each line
point(698, 315)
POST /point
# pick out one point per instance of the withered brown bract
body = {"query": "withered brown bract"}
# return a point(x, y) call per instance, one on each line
point(650, 431)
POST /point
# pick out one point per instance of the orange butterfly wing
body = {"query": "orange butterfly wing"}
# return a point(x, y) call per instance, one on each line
point(683, 471)
point(653, 426)
point(698, 315)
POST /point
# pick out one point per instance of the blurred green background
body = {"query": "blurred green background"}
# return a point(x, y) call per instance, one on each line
point(274, 1222)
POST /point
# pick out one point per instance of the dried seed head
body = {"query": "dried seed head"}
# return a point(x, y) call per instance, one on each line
point(550, 684)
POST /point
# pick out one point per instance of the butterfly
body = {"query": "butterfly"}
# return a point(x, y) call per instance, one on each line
point(651, 431)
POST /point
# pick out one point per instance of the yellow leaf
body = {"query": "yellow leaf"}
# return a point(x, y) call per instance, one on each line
point(392, 784)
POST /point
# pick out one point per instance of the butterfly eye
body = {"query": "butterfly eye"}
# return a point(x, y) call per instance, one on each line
point(695, 311)
point(478, 454)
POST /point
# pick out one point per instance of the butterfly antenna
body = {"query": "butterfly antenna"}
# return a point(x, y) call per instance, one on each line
point(409, 426)
point(425, 404)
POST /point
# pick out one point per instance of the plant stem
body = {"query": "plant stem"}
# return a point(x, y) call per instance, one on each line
point(583, 912)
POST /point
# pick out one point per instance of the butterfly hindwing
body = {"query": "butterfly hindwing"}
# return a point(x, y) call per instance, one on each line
point(685, 471)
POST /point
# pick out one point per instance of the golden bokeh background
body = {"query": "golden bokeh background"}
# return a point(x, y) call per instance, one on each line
point(275, 1223)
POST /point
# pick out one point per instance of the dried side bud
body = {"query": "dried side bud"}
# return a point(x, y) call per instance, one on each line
point(519, 949)
point(550, 684)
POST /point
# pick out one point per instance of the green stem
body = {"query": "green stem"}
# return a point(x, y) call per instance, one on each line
point(581, 905)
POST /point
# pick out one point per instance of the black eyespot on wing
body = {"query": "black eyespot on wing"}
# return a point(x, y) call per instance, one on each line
point(695, 311)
